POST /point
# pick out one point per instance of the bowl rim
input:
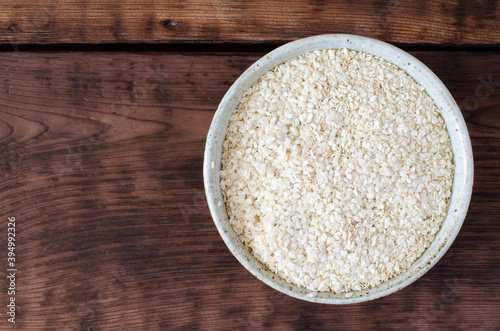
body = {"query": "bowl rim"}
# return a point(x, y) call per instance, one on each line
point(461, 145)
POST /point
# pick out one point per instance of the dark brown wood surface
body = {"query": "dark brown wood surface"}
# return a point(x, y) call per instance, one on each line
point(103, 120)
point(438, 22)
point(101, 165)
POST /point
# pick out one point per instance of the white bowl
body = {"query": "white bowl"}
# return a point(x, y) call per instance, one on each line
point(462, 182)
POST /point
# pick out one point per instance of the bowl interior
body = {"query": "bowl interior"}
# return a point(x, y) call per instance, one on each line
point(462, 181)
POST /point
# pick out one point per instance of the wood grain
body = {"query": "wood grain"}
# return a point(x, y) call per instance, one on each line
point(101, 164)
point(439, 22)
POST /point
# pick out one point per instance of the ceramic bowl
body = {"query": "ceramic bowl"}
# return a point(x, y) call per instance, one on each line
point(462, 182)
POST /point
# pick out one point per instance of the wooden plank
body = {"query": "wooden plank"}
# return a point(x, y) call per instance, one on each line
point(438, 22)
point(101, 165)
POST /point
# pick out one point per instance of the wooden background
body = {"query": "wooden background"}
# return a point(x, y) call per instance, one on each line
point(104, 110)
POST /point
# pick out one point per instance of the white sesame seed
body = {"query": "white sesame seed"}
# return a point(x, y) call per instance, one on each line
point(336, 170)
